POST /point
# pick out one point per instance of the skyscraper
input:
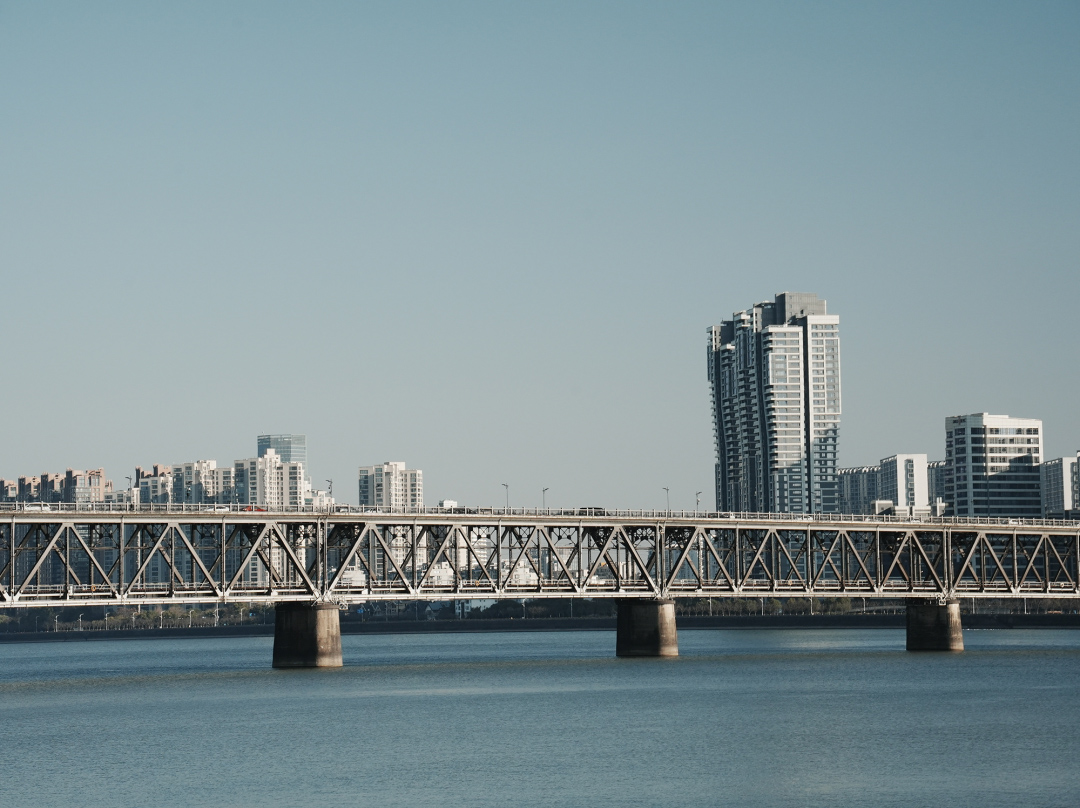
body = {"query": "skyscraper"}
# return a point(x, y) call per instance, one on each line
point(992, 465)
point(774, 376)
point(289, 448)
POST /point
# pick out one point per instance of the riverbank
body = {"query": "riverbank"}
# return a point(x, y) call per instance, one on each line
point(895, 621)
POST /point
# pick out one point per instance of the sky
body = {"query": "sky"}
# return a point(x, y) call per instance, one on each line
point(487, 239)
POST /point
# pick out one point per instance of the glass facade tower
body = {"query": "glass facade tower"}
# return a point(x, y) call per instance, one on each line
point(290, 448)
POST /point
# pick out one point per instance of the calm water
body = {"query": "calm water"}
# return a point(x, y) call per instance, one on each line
point(742, 718)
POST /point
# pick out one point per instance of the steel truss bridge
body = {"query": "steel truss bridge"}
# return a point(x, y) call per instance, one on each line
point(52, 558)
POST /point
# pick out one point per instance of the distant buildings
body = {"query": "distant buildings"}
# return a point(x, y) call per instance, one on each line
point(75, 487)
point(935, 480)
point(269, 482)
point(1060, 485)
point(391, 487)
point(774, 375)
point(859, 488)
point(202, 482)
point(154, 487)
point(991, 468)
point(902, 484)
point(290, 448)
point(992, 465)
point(903, 481)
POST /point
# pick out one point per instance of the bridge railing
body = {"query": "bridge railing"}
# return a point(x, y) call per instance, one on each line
point(588, 514)
point(531, 513)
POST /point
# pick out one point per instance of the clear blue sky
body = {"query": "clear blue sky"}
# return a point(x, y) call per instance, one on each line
point(487, 238)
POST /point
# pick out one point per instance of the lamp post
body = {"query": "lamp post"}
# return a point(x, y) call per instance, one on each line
point(56, 623)
point(697, 502)
point(189, 613)
point(543, 496)
point(80, 622)
point(667, 495)
point(507, 487)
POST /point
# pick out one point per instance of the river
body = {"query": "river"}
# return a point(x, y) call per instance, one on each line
point(809, 717)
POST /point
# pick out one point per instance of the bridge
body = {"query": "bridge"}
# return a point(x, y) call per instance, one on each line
point(310, 564)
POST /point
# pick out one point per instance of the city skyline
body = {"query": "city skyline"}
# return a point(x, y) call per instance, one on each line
point(488, 239)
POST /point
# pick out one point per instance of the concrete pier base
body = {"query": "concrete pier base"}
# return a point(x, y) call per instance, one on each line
point(307, 635)
point(934, 626)
point(646, 628)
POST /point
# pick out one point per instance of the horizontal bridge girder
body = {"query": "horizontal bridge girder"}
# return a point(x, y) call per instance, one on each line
point(128, 558)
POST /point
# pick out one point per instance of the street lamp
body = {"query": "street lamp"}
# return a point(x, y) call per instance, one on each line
point(80, 622)
point(667, 494)
point(507, 487)
point(543, 494)
point(189, 613)
point(56, 623)
point(697, 503)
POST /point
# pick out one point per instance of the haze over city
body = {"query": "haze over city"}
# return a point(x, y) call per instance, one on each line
point(488, 240)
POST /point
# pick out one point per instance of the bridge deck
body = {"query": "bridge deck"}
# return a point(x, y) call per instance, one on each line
point(57, 556)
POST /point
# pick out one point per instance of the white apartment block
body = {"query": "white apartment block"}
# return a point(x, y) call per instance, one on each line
point(992, 465)
point(391, 487)
point(774, 374)
point(156, 489)
point(904, 481)
point(268, 482)
point(1058, 480)
point(202, 482)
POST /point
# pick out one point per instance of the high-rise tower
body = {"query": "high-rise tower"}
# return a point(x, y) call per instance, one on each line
point(774, 375)
point(992, 465)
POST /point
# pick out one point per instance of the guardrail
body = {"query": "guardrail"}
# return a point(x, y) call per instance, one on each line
point(584, 513)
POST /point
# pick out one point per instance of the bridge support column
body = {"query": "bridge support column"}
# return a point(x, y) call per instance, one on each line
point(307, 635)
point(934, 626)
point(646, 628)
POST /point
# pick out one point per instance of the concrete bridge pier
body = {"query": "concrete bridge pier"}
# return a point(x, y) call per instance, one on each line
point(933, 625)
point(646, 628)
point(307, 635)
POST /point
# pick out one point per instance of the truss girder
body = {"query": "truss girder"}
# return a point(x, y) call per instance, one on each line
point(183, 557)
